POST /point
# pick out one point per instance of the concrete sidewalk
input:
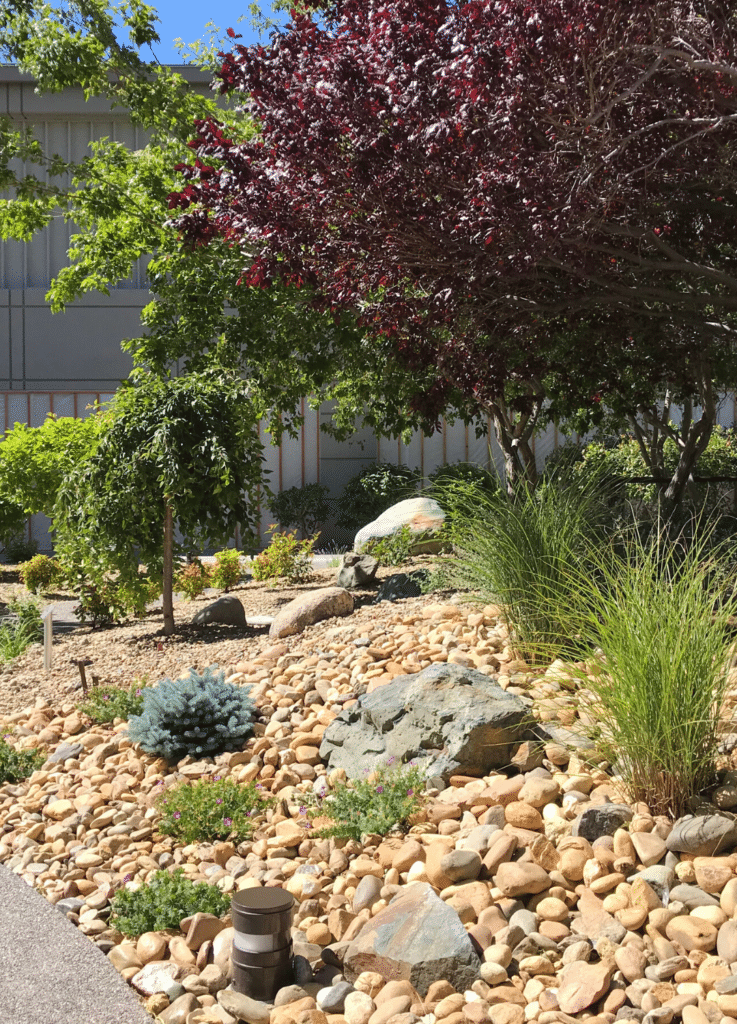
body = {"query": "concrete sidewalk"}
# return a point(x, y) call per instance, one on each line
point(50, 973)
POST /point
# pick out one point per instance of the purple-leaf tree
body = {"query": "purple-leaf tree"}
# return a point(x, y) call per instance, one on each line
point(480, 181)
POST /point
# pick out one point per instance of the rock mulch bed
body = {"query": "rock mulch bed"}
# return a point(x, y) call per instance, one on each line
point(578, 906)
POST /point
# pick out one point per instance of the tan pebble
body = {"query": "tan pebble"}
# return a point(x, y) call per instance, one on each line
point(156, 1003)
point(370, 982)
point(631, 962)
point(536, 965)
point(583, 984)
point(714, 915)
point(519, 878)
point(388, 1009)
point(450, 1004)
point(151, 946)
point(711, 970)
point(319, 934)
point(522, 815)
point(692, 933)
point(632, 917)
point(180, 951)
point(728, 898)
point(713, 873)
point(552, 909)
point(358, 1008)
point(693, 1015)
point(623, 844)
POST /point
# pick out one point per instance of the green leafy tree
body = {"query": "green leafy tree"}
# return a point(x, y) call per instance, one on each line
point(181, 451)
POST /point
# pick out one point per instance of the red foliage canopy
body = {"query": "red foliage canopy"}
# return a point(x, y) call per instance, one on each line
point(470, 176)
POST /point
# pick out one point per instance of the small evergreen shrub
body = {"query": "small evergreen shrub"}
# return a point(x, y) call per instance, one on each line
point(227, 569)
point(394, 549)
point(192, 579)
point(285, 558)
point(383, 804)
point(16, 765)
point(106, 703)
point(302, 507)
point(373, 491)
point(209, 810)
point(201, 715)
point(40, 573)
point(163, 902)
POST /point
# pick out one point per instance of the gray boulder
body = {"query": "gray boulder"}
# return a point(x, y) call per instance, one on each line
point(227, 610)
point(417, 938)
point(451, 720)
point(356, 570)
point(703, 835)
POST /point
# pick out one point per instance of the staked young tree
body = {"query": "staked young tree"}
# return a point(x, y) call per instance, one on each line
point(498, 191)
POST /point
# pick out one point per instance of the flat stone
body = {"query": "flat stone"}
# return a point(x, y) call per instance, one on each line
point(649, 847)
point(582, 984)
point(64, 752)
point(243, 1007)
point(516, 878)
point(703, 835)
point(727, 941)
point(367, 892)
point(156, 976)
point(692, 896)
point(692, 933)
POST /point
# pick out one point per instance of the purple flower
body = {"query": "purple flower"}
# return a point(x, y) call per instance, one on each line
point(227, 822)
point(105, 696)
point(177, 815)
point(379, 789)
point(138, 693)
point(410, 792)
point(219, 800)
point(127, 878)
point(308, 824)
point(303, 810)
point(216, 778)
point(391, 760)
point(259, 786)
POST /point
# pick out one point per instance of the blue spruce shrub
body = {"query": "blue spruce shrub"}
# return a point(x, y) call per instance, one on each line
point(200, 715)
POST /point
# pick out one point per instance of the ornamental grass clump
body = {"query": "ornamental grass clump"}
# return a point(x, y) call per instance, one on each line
point(528, 555)
point(201, 715)
point(163, 901)
point(210, 810)
point(659, 616)
point(383, 802)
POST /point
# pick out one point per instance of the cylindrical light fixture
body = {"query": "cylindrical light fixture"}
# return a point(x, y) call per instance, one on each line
point(262, 944)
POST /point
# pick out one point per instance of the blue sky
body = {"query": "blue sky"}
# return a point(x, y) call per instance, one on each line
point(186, 19)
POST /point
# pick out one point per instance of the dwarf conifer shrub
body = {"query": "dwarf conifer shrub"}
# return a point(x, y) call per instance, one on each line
point(201, 715)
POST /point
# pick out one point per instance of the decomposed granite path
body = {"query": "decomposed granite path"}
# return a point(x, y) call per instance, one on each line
point(50, 973)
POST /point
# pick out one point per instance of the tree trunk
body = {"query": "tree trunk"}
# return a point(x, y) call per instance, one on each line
point(514, 432)
point(168, 584)
point(691, 438)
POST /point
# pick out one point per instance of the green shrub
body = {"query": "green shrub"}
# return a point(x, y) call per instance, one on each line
point(209, 810)
point(16, 765)
point(20, 629)
point(286, 558)
point(661, 618)
point(394, 549)
point(106, 703)
point(192, 579)
point(381, 804)
point(227, 570)
point(201, 715)
point(373, 491)
point(163, 902)
point(456, 488)
point(18, 548)
point(527, 555)
point(99, 602)
point(302, 507)
point(40, 573)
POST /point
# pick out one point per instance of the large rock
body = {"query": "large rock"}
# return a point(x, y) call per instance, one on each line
point(451, 720)
point(356, 570)
point(417, 938)
point(310, 608)
point(227, 610)
point(423, 516)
